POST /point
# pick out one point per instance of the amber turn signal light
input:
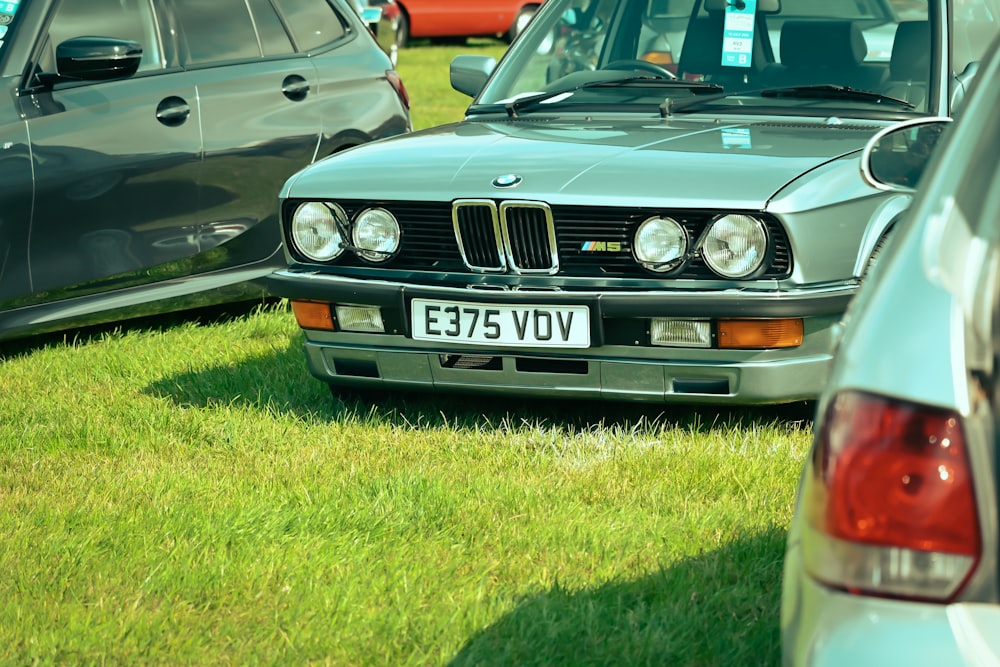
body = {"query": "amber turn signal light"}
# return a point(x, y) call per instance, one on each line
point(759, 334)
point(313, 315)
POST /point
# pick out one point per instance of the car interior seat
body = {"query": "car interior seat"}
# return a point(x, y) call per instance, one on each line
point(701, 56)
point(819, 52)
point(910, 62)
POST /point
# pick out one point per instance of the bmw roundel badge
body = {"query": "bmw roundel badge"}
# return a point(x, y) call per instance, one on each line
point(506, 181)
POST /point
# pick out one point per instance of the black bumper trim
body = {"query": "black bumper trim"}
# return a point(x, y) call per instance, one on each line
point(818, 301)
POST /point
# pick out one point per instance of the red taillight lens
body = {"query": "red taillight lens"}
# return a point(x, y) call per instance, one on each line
point(397, 83)
point(889, 500)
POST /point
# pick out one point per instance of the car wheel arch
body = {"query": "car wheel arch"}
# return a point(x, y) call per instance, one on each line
point(341, 142)
point(881, 225)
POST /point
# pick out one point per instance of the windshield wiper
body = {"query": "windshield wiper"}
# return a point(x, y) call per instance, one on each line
point(673, 106)
point(831, 90)
point(513, 107)
point(827, 90)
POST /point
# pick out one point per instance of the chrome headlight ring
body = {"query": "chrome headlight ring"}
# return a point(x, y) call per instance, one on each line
point(375, 235)
point(316, 230)
point(659, 244)
point(735, 245)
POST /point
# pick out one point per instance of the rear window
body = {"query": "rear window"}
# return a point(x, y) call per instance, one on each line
point(274, 39)
point(313, 23)
point(216, 31)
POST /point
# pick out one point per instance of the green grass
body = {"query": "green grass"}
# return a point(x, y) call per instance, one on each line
point(185, 493)
point(424, 71)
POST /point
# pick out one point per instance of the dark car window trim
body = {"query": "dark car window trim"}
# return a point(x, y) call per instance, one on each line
point(349, 31)
point(27, 84)
point(256, 29)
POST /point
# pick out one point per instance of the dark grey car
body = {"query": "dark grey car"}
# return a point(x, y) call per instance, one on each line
point(143, 144)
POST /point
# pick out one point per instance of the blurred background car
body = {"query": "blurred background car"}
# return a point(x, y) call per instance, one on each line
point(143, 145)
point(893, 550)
point(384, 20)
point(455, 20)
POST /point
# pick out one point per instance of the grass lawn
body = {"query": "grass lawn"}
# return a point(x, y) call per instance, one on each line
point(184, 492)
point(424, 71)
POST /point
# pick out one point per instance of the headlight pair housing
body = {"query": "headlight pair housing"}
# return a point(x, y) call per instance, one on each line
point(733, 246)
point(322, 232)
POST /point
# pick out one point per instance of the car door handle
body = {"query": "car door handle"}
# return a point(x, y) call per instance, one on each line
point(295, 88)
point(173, 111)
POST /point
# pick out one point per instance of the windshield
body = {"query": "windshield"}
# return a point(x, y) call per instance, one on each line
point(744, 46)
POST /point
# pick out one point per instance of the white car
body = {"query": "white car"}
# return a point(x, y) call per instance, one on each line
point(892, 555)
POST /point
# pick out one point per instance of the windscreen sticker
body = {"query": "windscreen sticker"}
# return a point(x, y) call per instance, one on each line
point(736, 137)
point(737, 33)
point(8, 8)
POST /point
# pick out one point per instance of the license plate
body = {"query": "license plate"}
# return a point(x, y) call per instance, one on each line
point(531, 325)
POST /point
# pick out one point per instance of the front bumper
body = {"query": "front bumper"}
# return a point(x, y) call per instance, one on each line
point(620, 364)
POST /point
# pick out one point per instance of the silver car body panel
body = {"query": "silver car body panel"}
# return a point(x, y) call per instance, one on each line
point(624, 161)
point(922, 330)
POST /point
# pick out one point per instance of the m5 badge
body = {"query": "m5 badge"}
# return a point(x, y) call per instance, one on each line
point(601, 246)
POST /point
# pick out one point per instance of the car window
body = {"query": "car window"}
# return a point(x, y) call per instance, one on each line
point(274, 39)
point(854, 10)
point(216, 31)
point(121, 19)
point(977, 187)
point(313, 23)
point(975, 24)
point(878, 47)
point(573, 43)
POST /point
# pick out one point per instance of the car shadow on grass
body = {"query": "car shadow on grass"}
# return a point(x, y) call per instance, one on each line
point(280, 382)
point(716, 608)
point(84, 335)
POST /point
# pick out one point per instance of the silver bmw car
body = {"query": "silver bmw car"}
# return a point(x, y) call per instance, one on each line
point(646, 200)
point(892, 555)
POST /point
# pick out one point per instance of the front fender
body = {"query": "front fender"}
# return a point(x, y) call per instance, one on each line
point(882, 219)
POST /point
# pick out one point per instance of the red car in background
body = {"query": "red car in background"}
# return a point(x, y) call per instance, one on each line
point(458, 19)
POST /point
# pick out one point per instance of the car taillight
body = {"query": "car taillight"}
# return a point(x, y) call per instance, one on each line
point(397, 83)
point(889, 501)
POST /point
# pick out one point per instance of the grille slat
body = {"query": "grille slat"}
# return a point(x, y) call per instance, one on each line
point(476, 228)
point(528, 237)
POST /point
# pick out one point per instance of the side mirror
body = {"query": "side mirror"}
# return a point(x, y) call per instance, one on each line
point(97, 58)
point(896, 157)
point(470, 73)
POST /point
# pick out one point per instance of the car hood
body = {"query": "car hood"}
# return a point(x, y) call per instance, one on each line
point(686, 162)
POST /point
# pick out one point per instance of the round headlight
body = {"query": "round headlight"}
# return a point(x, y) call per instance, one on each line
point(735, 246)
point(658, 243)
point(316, 230)
point(375, 235)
